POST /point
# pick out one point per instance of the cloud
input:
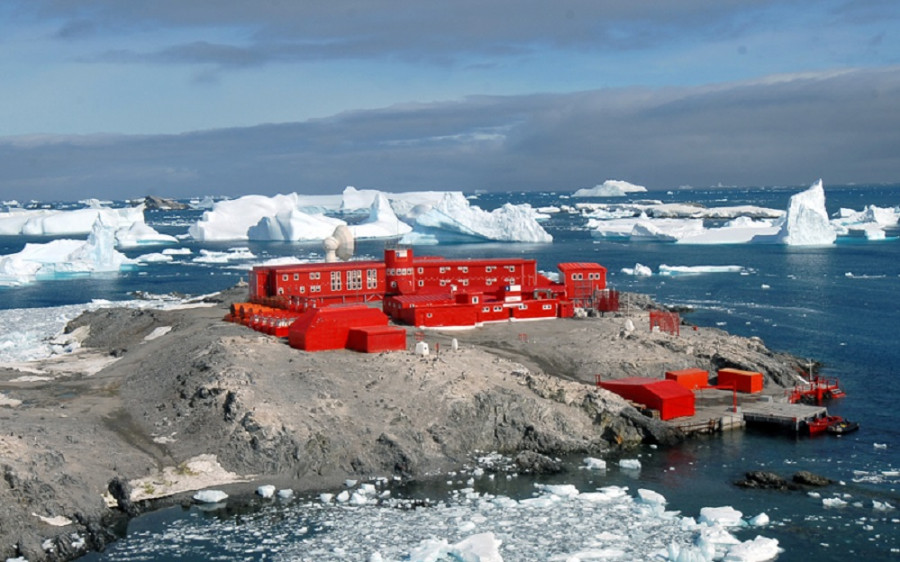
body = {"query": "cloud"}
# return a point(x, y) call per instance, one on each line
point(784, 130)
point(272, 31)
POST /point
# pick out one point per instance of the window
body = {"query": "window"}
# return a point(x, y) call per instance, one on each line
point(335, 280)
point(445, 269)
point(577, 276)
point(421, 283)
point(465, 282)
point(474, 300)
point(302, 289)
point(371, 279)
point(548, 307)
point(296, 277)
point(393, 284)
point(444, 282)
point(284, 277)
point(354, 279)
point(315, 288)
point(489, 282)
point(314, 275)
point(463, 268)
point(281, 289)
point(421, 271)
point(485, 309)
point(489, 269)
point(510, 268)
point(498, 309)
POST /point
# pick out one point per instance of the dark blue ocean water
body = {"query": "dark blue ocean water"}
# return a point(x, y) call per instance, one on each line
point(837, 305)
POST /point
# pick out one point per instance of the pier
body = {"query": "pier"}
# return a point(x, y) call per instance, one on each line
point(720, 410)
point(791, 416)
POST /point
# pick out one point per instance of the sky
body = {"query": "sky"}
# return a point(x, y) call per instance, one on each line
point(117, 99)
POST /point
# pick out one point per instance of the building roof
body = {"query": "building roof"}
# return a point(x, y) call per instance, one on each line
point(579, 265)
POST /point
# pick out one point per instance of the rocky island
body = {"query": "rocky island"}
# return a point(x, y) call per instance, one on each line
point(158, 403)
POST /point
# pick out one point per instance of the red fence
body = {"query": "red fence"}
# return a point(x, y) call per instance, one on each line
point(665, 321)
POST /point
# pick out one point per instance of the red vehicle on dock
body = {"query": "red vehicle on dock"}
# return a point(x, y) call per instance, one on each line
point(816, 391)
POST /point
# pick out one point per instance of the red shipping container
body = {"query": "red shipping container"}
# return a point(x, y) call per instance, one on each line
point(375, 339)
point(743, 381)
point(666, 396)
point(691, 379)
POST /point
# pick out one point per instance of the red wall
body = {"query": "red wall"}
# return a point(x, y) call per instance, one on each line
point(690, 378)
point(745, 381)
point(328, 328)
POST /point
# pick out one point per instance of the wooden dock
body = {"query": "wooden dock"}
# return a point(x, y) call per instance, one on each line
point(790, 416)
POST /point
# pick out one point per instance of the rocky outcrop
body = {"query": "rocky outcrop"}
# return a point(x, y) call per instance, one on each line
point(154, 203)
point(205, 387)
point(765, 480)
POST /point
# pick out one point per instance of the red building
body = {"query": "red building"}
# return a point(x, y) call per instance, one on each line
point(668, 397)
point(749, 382)
point(298, 301)
point(691, 379)
point(433, 291)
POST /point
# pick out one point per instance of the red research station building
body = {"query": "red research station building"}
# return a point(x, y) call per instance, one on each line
point(432, 291)
point(326, 305)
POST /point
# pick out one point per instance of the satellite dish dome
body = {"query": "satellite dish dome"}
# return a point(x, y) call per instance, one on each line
point(340, 245)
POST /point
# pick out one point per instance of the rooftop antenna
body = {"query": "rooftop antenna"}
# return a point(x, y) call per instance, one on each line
point(340, 245)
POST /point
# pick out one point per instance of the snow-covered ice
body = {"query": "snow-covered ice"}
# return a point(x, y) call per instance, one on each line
point(558, 523)
point(210, 496)
point(610, 188)
point(65, 257)
point(455, 220)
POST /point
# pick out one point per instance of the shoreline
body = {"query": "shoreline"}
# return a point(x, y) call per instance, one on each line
point(202, 386)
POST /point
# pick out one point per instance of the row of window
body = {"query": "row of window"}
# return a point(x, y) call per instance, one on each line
point(591, 276)
point(354, 280)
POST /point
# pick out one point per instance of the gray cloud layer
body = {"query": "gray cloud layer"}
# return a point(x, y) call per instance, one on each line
point(278, 31)
point(843, 127)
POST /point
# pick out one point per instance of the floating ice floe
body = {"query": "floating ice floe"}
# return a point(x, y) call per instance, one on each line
point(560, 523)
point(639, 270)
point(591, 463)
point(726, 516)
point(804, 223)
point(265, 491)
point(675, 270)
point(630, 464)
point(610, 188)
point(210, 496)
point(63, 258)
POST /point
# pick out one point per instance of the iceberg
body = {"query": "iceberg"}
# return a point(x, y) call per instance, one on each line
point(806, 222)
point(869, 223)
point(141, 234)
point(382, 222)
point(231, 219)
point(455, 220)
point(355, 200)
point(64, 257)
point(610, 188)
point(55, 222)
point(293, 225)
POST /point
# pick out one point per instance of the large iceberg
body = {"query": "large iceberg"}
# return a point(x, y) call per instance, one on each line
point(64, 257)
point(293, 225)
point(610, 188)
point(56, 222)
point(438, 217)
point(381, 223)
point(455, 220)
point(806, 222)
